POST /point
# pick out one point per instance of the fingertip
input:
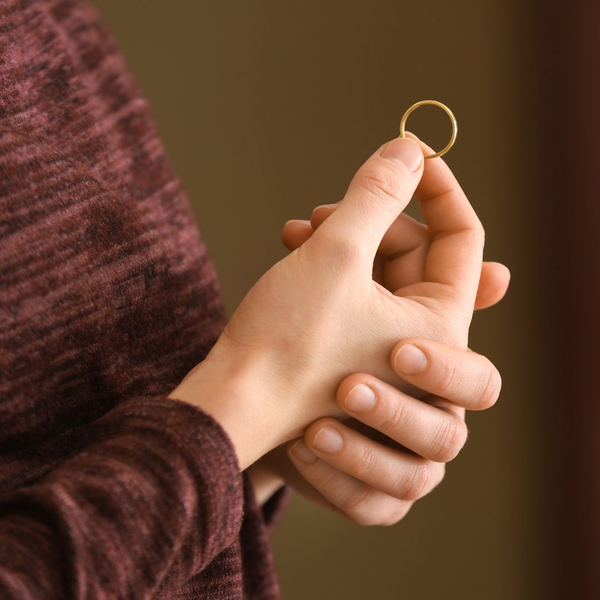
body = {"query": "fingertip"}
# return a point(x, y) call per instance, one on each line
point(326, 206)
point(316, 426)
point(297, 222)
point(295, 225)
point(286, 242)
point(493, 284)
point(361, 399)
point(409, 358)
point(295, 232)
point(347, 385)
point(500, 268)
point(406, 152)
point(312, 430)
point(291, 443)
point(299, 450)
point(425, 147)
point(321, 213)
point(506, 271)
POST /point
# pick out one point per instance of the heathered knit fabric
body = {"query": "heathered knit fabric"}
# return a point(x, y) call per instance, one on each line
point(108, 489)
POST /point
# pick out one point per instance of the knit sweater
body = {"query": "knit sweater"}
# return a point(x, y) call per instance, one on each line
point(108, 488)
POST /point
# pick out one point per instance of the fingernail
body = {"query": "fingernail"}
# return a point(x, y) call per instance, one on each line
point(328, 440)
point(360, 398)
point(404, 151)
point(410, 360)
point(302, 453)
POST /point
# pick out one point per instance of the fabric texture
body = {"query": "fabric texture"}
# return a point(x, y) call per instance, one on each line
point(108, 298)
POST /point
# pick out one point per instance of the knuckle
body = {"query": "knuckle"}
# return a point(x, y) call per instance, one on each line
point(419, 482)
point(379, 183)
point(479, 230)
point(449, 439)
point(490, 388)
point(356, 507)
point(364, 464)
point(395, 415)
point(473, 235)
point(328, 479)
point(476, 228)
point(449, 373)
point(345, 250)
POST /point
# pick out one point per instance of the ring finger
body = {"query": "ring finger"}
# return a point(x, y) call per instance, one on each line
point(352, 498)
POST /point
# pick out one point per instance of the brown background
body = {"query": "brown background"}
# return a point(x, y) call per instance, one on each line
point(267, 109)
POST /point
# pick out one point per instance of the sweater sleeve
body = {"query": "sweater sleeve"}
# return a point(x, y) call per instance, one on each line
point(154, 476)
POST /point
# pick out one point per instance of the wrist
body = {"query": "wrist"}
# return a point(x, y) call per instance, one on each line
point(233, 393)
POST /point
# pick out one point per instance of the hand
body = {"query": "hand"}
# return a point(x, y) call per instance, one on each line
point(399, 261)
point(368, 481)
point(410, 240)
point(317, 315)
point(457, 377)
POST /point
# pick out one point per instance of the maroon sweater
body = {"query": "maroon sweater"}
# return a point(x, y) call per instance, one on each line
point(108, 489)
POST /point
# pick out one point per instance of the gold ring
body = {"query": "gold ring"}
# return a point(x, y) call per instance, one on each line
point(448, 112)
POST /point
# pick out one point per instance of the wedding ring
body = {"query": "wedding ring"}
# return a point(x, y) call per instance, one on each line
point(446, 110)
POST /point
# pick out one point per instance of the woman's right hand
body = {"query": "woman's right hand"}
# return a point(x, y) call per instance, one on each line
point(317, 315)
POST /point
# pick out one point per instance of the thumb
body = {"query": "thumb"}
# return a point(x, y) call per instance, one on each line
point(377, 194)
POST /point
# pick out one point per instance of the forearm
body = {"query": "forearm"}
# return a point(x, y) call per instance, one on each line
point(124, 506)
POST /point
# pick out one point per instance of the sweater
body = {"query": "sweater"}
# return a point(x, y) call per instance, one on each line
point(108, 298)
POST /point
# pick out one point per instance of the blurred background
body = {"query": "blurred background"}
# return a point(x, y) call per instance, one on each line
point(268, 108)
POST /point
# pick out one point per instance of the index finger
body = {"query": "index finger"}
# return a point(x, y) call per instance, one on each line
point(456, 253)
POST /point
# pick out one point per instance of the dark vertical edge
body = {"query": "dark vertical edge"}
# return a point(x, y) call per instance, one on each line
point(563, 108)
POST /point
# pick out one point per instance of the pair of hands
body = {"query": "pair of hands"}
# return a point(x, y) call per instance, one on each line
point(393, 448)
point(365, 278)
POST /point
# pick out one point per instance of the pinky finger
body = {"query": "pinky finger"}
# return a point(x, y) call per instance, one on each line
point(353, 499)
point(295, 233)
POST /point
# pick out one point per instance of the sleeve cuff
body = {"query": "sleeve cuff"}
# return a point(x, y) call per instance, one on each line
point(186, 435)
point(274, 508)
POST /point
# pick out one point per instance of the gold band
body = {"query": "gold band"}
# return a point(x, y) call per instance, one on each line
point(448, 112)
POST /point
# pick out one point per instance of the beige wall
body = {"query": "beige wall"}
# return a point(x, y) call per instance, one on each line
point(267, 109)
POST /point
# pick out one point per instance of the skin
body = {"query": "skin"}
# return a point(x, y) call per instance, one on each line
point(337, 305)
point(345, 482)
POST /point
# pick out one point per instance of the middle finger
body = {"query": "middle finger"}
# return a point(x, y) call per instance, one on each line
point(398, 474)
